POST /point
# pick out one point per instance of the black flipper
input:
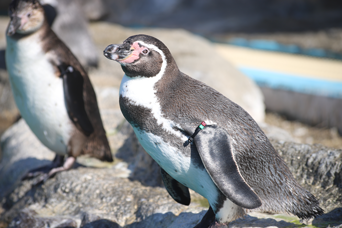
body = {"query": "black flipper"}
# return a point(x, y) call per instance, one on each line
point(73, 95)
point(177, 191)
point(214, 149)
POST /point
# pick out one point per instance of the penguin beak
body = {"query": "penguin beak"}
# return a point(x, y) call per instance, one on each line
point(117, 52)
point(13, 25)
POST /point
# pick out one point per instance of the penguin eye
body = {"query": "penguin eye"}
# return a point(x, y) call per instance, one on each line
point(145, 51)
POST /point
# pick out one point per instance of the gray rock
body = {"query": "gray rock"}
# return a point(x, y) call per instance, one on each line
point(88, 197)
point(28, 218)
point(71, 26)
point(312, 109)
point(333, 218)
point(316, 168)
point(276, 133)
point(94, 9)
point(121, 195)
point(88, 193)
point(22, 151)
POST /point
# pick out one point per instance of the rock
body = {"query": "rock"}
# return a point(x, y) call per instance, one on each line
point(71, 26)
point(316, 110)
point(120, 194)
point(194, 55)
point(276, 133)
point(94, 9)
point(22, 151)
point(86, 194)
point(27, 219)
point(333, 218)
point(74, 199)
point(316, 168)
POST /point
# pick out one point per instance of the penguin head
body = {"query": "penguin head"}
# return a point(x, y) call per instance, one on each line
point(140, 55)
point(27, 16)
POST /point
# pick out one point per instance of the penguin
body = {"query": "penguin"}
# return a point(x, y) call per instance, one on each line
point(202, 140)
point(52, 91)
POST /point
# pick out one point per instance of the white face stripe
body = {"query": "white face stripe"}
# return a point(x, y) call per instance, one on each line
point(163, 67)
point(141, 91)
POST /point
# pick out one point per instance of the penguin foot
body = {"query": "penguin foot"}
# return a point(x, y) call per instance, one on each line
point(208, 220)
point(42, 174)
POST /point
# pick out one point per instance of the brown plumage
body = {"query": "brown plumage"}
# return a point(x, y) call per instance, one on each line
point(28, 27)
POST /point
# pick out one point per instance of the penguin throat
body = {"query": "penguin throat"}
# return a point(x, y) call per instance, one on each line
point(133, 72)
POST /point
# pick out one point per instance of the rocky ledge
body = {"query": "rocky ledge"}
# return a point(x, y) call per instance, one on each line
point(128, 193)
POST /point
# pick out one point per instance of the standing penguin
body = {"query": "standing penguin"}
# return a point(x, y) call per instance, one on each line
point(52, 91)
point(202, 140)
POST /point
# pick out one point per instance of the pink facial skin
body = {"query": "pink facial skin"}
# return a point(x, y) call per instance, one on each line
point(135, 55)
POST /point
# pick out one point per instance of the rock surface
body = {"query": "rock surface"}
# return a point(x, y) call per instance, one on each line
point(127, 194)
point(71, 25)
point(317, 168)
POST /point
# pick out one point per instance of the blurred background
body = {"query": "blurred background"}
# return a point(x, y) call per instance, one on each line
point(279, 59)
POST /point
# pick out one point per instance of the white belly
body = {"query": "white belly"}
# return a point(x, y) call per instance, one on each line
point(179, 166)
point(38, 93)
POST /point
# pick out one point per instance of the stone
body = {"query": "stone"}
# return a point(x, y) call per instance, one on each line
point(276, 133)
point(129, 193)
point(21, 153)
point(317, 168)
point(320, 111)
point(71, 25)
point(94, 9)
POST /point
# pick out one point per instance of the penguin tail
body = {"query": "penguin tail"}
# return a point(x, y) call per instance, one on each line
point(307, 207)
point(97, 146)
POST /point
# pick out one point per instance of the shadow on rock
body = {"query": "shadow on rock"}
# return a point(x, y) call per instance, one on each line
point(143, 168)
point(11, 176)
point(101, 223)
point(250, 221)
point(27, 219)
point(170, 220)
point(333, 218)
point(189, 219)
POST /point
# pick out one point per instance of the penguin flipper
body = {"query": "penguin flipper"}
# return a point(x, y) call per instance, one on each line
point(215, 151)
point(73, 95)
point(177, 191)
